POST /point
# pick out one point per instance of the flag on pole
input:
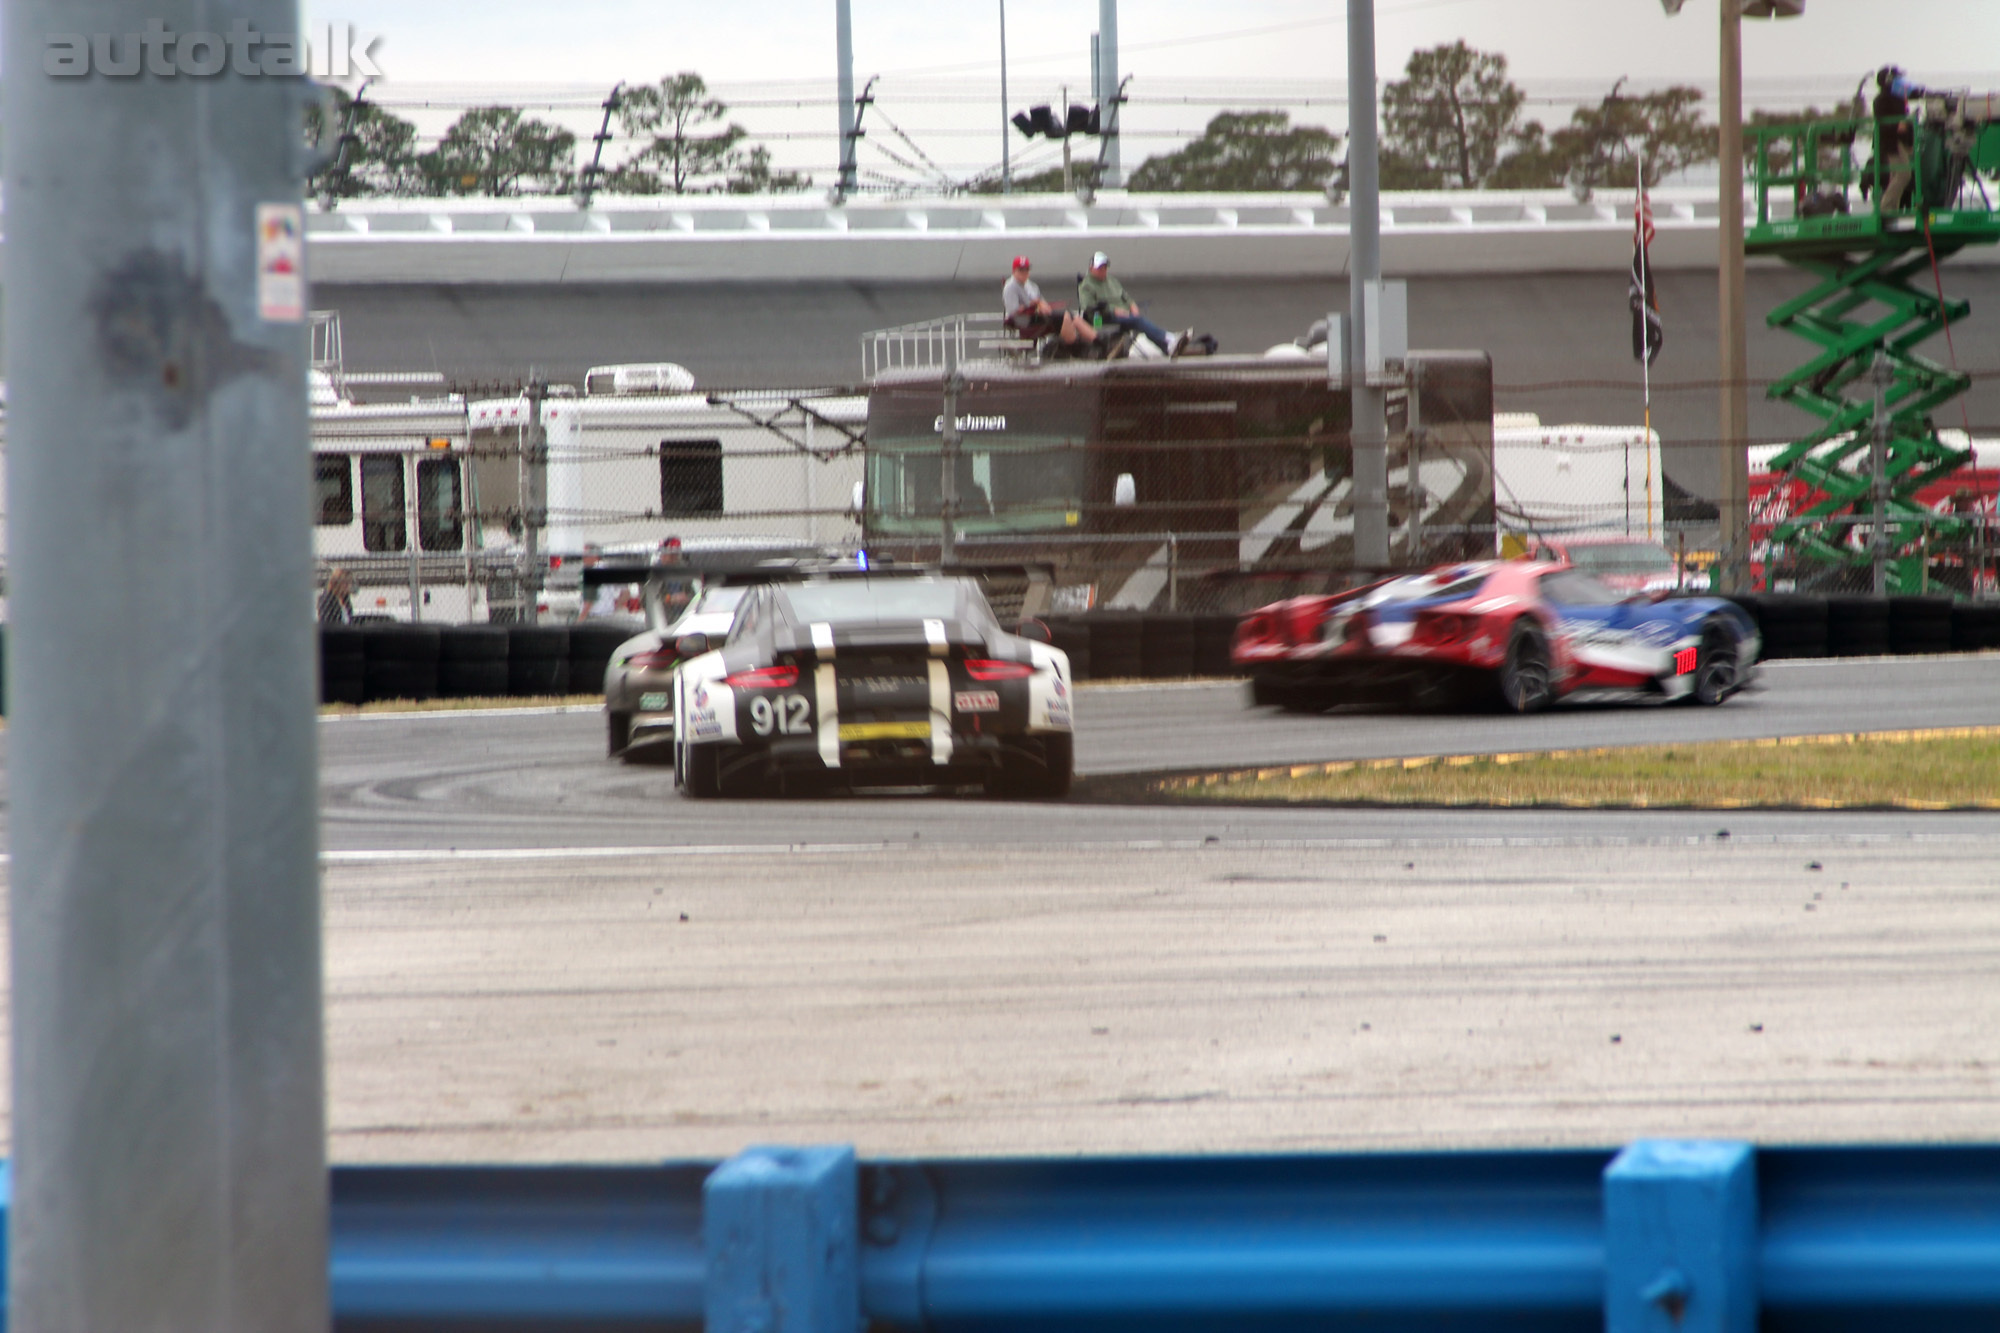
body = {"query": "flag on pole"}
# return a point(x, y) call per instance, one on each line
point(1648, 334)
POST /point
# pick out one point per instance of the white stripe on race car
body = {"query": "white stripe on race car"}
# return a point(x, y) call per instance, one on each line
point(934, 633)
point(940, 707)
point(828, 701)
point(823, 640)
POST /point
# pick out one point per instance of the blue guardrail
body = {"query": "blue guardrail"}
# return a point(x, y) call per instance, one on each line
point(1664, 1237)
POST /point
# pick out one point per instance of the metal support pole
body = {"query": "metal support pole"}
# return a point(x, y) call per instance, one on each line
point(168, 1127)
point(1006, 124)
point(1370, 430)
point(954, 382)
point(534, 501)
point(844, 42)
point(1413, 464)
point(1680, 1238)
point(1106, 74)
point(1882, 376)
point(1732, 493)
point(1173, 571)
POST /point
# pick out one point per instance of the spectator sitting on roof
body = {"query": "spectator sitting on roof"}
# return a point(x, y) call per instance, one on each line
point(1032, 317)
point(1100, 293)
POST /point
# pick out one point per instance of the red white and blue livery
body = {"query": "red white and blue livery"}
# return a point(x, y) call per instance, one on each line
point(1522, 633)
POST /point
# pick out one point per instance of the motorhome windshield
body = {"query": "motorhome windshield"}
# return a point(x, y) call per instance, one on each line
point(1018, 485)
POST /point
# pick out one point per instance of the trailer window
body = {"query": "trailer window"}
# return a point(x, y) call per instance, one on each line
point(690, 477)
point(333, 490)
point(382, 526)
point(440, 506)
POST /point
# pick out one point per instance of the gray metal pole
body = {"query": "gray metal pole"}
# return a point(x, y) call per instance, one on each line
point(169, 1166)
point(1371, 425)
point(1006, 124)
point(948, 462)
point(844, 42)
point(1106, 75)
point(1732, 492)
point(1878, 475)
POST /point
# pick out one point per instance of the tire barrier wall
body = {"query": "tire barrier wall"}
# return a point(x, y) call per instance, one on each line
point(365, 663)
point(1799, 626)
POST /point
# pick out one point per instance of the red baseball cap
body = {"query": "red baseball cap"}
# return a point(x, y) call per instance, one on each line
point(1020, 261)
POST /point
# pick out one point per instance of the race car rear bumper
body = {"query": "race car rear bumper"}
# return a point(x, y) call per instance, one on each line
point(880, 761)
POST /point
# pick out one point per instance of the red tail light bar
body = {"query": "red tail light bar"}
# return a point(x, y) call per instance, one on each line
point(980, 668)
point(764, 678)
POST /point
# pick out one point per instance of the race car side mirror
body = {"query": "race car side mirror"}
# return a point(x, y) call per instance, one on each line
point(691, 645)
point(1036, 630)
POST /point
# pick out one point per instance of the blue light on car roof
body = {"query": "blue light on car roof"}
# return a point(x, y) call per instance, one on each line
point(861, 559)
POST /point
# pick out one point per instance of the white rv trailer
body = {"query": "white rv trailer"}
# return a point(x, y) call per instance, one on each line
point(1551, 481)
point(640, 457)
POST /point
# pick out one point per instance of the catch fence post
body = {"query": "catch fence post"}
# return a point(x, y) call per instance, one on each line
point(780, 1226)
point(1680, 1238)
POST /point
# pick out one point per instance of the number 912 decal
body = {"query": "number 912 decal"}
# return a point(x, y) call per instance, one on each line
point(784, 715)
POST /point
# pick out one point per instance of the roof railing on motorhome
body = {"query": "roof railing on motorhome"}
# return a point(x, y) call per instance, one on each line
point(933, 344)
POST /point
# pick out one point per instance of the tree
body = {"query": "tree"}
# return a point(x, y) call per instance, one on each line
point(1446, 124)
point(378, 157)
point(1245, 150)
point(1600, 144)
point(685, 155)
point(495, 150)
point(754, 176)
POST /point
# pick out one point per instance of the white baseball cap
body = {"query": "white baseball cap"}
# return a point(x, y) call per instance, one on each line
point(1099, 260)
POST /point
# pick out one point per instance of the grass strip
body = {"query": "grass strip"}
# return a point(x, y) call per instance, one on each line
point(1954, 768)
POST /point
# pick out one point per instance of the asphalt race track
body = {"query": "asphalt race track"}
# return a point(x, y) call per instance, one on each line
point(536, 954)
point(442, 781)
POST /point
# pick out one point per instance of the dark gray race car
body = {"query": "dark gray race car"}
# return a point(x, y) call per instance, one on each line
point(852, 677)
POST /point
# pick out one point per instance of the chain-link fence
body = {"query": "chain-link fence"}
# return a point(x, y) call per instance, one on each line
point(1205, 485)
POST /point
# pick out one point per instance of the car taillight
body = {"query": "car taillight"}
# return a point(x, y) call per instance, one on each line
point(764, 678)
point(1447, 628)
point(980, 668)
point(654, 659)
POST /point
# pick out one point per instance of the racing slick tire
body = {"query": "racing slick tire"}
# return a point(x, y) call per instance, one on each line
point(618, 729)
point(1718, 671)
point(700, 770)
point(1048, 781)
point(1525, 679)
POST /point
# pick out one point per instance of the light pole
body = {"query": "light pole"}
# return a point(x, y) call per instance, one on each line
point(1732, 489)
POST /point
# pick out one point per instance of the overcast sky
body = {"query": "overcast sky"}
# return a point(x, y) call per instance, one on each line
point(601, 40)
point(1187, 58)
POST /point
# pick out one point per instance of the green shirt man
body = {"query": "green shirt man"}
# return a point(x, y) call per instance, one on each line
point(1100, 288)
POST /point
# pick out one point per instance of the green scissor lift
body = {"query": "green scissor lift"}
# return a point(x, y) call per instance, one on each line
point(1875, 289)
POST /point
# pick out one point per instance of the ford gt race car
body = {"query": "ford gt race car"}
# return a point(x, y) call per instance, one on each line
point(856, 677)
point(1519, 632)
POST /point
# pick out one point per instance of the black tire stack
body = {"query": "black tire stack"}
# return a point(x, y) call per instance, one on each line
point(537, 660)
point(1919, 625)
point(1975, 626)
point(1166, 646)
point(342, 664)
point(1214, 635)
point(399, 662)
point(1857, 626)
point(472, 662)
point(1117, 645)
point(590, 649)
point(1791, 624)
point(1072, 636)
